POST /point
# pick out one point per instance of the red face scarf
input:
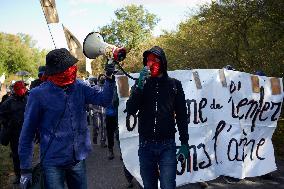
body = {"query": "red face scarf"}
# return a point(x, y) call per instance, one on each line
point(64, 78)
point(154, 63)
point(20, 88)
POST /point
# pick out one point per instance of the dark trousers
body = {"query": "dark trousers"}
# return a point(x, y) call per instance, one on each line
point(111, 126)
point(14, 143)
point(160, 156)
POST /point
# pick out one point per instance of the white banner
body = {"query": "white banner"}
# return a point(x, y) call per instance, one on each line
point(231, 119)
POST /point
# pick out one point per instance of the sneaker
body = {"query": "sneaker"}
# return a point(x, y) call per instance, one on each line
point(231, 180)
point(110, 154)
point(203, 184)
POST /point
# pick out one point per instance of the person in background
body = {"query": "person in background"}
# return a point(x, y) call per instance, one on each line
point(112, 122)
point(160, 101)
point(12, 114)
point(41, 78)
point(57, 108)
point(7, 95)
point(98, 116)
point(229, 67)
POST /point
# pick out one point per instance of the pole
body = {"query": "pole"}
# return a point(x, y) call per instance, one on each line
point(47, 25)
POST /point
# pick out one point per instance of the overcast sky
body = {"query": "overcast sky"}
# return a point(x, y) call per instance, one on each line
point(84, 16)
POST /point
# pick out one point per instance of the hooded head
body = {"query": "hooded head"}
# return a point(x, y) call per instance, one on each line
point(101, 79)
point(19, 88)
point(158, 54)
point(229, 67)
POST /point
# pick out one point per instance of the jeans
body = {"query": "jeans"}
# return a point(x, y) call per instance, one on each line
point(158, 161)
point(74, 175)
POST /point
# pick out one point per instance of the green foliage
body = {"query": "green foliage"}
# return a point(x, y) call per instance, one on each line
point(6, 165)
point(18, 52)
point(133, 25)
point(131, 29)
point(278, 139)
point(245, 34)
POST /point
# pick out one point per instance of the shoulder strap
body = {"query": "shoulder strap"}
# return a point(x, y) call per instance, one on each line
point(54, 131)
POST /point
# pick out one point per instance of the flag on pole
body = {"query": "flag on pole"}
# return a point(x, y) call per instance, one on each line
point(74, 45)
point(50, 12)
point(89, 66)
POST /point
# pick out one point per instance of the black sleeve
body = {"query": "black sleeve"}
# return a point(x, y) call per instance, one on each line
point(115, 100)
point(5, 109)
point(134, 101)
point(181, 117)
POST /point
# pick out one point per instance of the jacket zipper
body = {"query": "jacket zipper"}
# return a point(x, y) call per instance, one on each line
point(156, 108)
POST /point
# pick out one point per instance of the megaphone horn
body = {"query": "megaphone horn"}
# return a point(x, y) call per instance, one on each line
point(95, 46)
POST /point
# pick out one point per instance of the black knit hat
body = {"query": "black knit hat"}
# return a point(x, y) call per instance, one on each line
point(58, 60)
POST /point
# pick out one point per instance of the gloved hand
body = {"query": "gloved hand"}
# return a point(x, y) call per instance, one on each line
point(109, 69)
point(26, 180)
point(183, 152)
point(144, 73)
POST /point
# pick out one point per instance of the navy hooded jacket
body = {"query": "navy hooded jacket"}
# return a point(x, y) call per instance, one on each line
point(161, 105)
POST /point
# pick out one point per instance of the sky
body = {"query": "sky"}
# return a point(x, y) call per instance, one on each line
point(84, 16)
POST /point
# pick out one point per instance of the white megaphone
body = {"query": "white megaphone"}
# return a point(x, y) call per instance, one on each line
point(95, 46)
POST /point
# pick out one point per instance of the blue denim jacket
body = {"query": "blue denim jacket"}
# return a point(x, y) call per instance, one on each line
point(43, 111)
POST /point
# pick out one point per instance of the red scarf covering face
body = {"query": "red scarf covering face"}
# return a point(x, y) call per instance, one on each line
point(64, 78)
point(20, 88)
point(153, 62)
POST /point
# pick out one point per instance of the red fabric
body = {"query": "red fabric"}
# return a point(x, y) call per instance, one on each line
point(43, 77)
point(153, 62)
point(119, 54)
point(20, 88)
point(64, 78)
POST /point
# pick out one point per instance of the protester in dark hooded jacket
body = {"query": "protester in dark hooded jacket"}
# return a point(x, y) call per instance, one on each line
point(12, 113)
point(161, 104)
point(58, 109)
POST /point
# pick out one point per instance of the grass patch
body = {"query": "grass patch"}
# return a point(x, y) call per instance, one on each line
point(6, 166)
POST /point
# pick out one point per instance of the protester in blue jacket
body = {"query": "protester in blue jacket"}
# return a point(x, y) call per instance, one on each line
point(57, 108)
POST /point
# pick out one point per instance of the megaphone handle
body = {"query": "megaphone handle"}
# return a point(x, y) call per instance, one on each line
point(125, 71)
